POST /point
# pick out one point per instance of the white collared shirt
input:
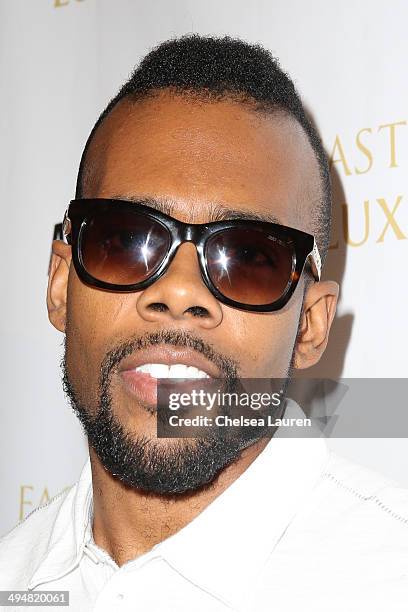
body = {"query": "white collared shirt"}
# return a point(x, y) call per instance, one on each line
point(301, 529)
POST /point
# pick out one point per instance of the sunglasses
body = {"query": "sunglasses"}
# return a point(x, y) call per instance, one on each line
point(125, 246)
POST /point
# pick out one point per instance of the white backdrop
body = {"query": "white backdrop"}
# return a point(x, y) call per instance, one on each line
point(60, 63)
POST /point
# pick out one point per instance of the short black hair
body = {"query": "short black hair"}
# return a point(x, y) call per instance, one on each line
point(225, 68)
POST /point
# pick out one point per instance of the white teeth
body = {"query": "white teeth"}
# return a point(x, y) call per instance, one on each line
point(178, 370)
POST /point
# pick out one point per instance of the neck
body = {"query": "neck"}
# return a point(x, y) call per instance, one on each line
point(128, 522)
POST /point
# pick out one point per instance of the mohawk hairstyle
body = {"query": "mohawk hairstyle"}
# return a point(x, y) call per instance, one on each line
point(214, 69)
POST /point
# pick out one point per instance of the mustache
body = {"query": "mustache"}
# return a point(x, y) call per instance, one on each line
point(180, 338)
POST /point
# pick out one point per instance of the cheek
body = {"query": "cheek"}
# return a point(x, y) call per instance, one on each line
point(265, 342)
point(91, 316)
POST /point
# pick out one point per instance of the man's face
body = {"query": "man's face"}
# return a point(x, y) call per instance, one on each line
point(195, 157)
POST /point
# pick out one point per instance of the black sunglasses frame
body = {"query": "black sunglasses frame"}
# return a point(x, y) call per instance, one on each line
point(80, 211)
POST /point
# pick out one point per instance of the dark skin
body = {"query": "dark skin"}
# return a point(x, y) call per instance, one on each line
point(193, 155)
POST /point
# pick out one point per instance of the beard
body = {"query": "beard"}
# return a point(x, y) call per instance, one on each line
point(147, 463)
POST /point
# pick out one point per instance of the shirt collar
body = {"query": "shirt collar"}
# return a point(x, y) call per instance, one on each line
point(67, 538)
point(224, 547)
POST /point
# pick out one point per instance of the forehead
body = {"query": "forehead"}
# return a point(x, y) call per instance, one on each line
point(197, 154)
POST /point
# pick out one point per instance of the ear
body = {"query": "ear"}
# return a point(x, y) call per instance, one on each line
point(319, 308)
point(57, 283)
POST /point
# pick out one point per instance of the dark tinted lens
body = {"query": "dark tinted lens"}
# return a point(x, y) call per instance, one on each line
point(249, 266)
point(123, 248)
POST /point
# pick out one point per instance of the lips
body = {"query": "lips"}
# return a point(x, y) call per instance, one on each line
point(140, 371)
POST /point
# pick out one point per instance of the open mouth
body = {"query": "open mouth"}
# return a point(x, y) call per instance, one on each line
point(141, 371)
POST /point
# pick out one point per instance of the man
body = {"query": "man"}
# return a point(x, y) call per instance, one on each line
point(205, 131)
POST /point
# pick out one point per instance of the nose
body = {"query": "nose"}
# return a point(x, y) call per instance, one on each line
point(180, 294)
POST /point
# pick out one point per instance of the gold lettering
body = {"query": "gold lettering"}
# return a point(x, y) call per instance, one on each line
point(44, 497)
point(342, 158)
point(23, 501)
point(346, 226)
point(364, 150)
point(390, 219)
point(392, 126)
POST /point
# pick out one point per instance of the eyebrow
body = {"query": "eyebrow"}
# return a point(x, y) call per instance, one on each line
point(217, 212)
